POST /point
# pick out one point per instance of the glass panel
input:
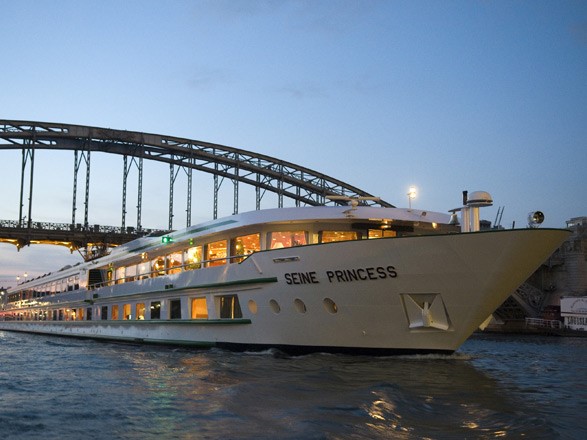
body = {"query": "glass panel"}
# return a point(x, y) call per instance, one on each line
point(192, 258)
point(283, 239)
point(156, 310)
point(245, 245)
point(380, 233)
point(174, 263)
point(120, 275)
point(199, 308)
point(217, 252)
point(230, 307)
point(115, 312)
point(126, 312)
point(331, 236)
point(175, 309)
point(131, 273)
point(158, 267)
point(144, 269)
point(140, 310)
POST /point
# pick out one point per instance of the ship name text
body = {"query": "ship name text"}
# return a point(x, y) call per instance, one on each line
point(343, 275)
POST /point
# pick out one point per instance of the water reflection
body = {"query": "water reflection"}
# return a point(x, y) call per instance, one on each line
point(101, 390)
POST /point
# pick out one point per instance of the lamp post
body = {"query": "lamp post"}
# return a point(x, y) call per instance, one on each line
point(411, 195)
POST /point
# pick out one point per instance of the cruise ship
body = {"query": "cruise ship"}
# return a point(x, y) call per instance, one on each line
point(350, 278)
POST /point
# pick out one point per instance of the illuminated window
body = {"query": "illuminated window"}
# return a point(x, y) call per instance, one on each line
point(158, 267)
point(199, 308)
point(115, 312)
point(332, 236)
point(216, 252)
point(131, 273)
point(193, 258)
point(173, 263)
point(140, 310)
point(155, 310)
point(381, 233)
point(120, 275)
point(284, 239)
point(126, 314)
point(144, 269)
point(245, 245)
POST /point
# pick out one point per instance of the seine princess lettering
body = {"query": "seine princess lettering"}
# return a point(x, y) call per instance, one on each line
point(343, 275)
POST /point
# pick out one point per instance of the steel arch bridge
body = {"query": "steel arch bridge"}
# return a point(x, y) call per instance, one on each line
point(304, 186)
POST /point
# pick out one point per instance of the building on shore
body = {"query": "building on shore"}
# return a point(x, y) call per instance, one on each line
point(554, 298)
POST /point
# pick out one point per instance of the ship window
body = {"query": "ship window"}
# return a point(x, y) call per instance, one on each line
point(126, 314)
point(140, 310)
point(80, 315)
point(144, 270)
point(253, 307)
point(104, 314)
point(332, 236)
point(175, 309)
point(174, 263)
point(193, 258)
point(284, 239)
point(330, 306)
point(245, 245)
point(155, 310)
point(299, 305)
point(158, 267)
point(199, 308)
point(216, 253)
point(229, 307)
point(381, 233)
point(89, 314)
point(274, 306)
point(131, 273)
point(120, 275)
point(115, 312)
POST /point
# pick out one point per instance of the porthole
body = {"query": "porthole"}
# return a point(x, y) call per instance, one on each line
point(253, 307)
point(299, 305)
point(330, 306)
point(275, 306)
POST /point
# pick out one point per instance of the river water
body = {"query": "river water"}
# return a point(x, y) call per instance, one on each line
point(497, 386)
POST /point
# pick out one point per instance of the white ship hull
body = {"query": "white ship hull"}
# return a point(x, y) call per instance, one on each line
point(414, 294)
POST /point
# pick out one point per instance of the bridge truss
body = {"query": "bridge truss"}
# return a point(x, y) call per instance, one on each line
point(266, 174)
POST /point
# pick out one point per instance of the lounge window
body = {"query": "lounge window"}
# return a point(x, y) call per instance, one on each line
point(199, 308)
point(155, 310)
point(332, 236)
point(104, 313)
point(175, 309)
point(144, 269)
point(131, 273)
point(245, 245)
point(115, 312)
point(173, 263)
point(158, 267)
point(216, 253)
point(140, 310)
point(193, 258)
point(120, 275)
point(229, 307)
point(285, 239)
point(89, 314)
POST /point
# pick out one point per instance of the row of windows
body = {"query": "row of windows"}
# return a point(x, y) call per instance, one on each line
point(228, 308)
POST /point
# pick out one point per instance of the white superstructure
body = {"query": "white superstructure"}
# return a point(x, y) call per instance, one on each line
point(344, 279)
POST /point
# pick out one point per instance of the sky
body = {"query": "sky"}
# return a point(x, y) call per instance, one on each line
point(445, 96)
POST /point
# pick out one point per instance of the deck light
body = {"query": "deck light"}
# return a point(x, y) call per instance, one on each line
point(411, 195)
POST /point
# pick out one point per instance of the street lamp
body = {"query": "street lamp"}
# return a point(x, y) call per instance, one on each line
point(411, 195)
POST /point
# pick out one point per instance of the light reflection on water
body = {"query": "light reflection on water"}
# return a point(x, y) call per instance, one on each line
point(511, 387)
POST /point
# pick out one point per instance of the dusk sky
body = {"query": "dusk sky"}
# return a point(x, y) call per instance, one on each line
point(443, 95)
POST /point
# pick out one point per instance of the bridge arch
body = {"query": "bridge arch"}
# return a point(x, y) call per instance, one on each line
point(226, 164)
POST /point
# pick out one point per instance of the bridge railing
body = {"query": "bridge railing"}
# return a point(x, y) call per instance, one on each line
point(78, 227)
